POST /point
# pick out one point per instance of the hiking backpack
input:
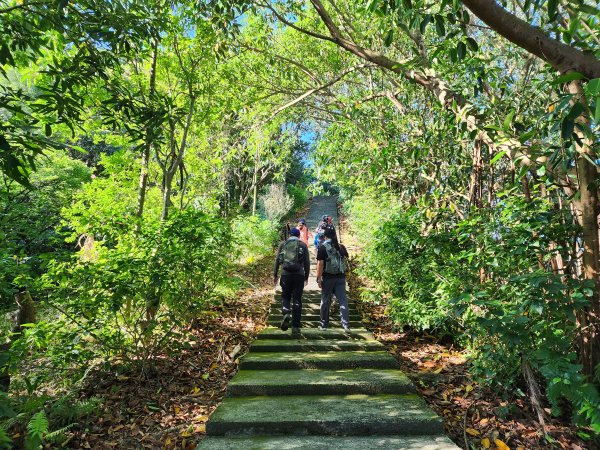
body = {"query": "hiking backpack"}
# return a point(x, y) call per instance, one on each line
point(335, 264)
point(291, 255)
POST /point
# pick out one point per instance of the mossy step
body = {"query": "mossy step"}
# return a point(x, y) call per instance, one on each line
point(304, 345)
point(333, 323)
point(355, 359)
point(327, 442)
point(312, 314)
point(354, 314)
point(272, 332)
point(337, 415)
point(319, 382)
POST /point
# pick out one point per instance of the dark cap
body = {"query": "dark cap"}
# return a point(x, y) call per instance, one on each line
point(324, 217)
point(303, 221)
point(295, 232)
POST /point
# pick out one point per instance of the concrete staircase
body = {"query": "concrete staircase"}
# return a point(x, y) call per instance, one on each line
point(324, 389)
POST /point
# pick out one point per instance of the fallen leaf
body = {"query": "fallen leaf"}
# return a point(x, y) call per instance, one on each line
point(472, 431)
point(501, 445)
point(485, 442)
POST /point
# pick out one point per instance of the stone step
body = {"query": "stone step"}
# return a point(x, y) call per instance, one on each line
point(333, 322)
point(304, 345)
point(355, 359)
point(276, 312)
point(310, 304)
point(327, 442)
point(348, 415)
point(319, 382)
point(316, 314)
point(316, 334)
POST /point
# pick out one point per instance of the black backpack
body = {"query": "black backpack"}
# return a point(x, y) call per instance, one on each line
point(291, 256)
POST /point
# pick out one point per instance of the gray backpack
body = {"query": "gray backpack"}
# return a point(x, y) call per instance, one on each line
point(335, 264)
point(291, 256)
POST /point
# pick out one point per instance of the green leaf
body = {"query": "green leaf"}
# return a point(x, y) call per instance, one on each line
point(592, 87)
point(461, 50)
point(372, 5)
point(472, 44)
point(576, 111)
point(566, 129)
point(497, 157)
point(552, 9)
point(571, 76)
point(597, 114)
point(389, 37)
point(526, 136)
point(424, 23)
point(508, 121)
point(439, 25)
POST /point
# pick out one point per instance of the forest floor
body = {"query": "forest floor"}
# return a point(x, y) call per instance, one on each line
point(169, 408)
point(474, 416)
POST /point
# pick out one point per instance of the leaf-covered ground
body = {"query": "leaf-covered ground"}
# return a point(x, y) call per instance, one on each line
point(168, 408)
point(474, 416)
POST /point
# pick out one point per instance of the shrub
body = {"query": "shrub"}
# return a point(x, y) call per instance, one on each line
point(30, 220)
point(491, 277)
point(298, 195)
point(275, 203)
point(253, 237)
point(132, 297)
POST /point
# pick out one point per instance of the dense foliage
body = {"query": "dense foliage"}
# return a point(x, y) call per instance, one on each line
point(147, 148)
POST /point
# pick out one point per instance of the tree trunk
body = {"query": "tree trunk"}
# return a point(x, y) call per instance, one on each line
point(587, 212)
point(25, 314)
point(168, 182)
point(147, 146)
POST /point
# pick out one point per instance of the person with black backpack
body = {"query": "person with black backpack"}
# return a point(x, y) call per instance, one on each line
point(292, 256)
point(332, 265)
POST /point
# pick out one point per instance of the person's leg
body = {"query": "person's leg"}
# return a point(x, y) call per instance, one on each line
point(297, 290)
point(340, 293)
point(286, 296)
point(326, 292)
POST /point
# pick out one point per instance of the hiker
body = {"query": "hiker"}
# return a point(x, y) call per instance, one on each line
point(330, 223)
point(292, 256)
point(319, 237)
point(331, 278)
point(305, 233)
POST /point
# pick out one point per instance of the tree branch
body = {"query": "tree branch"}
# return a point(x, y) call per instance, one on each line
point(317, 89)
point(562, 57)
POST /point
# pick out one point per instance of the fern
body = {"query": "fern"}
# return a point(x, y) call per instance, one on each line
point(5, 442)
point(38, 425)
point(58, 435)
point(66, 410)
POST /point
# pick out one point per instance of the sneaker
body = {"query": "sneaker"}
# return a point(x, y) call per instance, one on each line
point(321, 327)
point(285, 323)
point(347, 329)
point(295, 330)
